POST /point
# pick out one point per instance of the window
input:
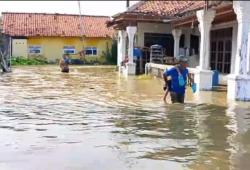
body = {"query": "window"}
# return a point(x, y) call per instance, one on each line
point(35, 49)
point(91, 51)
point(69, 50)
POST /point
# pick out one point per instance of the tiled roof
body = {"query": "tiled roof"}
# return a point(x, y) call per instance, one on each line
point(65, 25)
point(165, 8)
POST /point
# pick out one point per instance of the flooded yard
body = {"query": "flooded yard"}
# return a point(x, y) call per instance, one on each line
point(94, 119)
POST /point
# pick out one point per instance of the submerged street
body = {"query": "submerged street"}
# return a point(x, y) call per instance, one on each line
point(92, 118)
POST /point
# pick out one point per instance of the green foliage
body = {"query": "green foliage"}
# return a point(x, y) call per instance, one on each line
point(110, 55)
point(89, 60)
point(114, 52)
point(28, 61)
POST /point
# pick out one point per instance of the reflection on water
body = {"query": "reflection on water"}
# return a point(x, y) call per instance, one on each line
point(92, 118)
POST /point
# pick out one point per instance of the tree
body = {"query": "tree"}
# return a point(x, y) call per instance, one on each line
point(111, 54)
point(4, 51)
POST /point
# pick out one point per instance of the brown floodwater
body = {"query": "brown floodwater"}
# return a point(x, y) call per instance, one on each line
point(94, 119)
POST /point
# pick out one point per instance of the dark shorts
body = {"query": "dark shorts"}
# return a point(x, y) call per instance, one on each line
point(177, 98)
point(65, 70)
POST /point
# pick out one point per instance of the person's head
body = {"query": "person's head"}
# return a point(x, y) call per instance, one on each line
point(183, 62)
point(65, 56)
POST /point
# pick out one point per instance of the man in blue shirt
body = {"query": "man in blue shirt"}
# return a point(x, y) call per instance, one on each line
point(178, 75)
point(64, 63)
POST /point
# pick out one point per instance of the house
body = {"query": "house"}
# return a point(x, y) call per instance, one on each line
point(215, 32)
point(51, 35)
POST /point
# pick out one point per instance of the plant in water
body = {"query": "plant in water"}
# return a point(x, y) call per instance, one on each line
point(28, 61)
point(110, 55)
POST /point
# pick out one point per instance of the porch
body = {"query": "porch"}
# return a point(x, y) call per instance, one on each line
point(213, 39)
point(157, 70)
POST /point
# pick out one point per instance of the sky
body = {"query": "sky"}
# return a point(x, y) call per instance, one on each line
point(107, 8)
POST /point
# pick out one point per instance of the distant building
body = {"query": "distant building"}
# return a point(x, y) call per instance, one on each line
point(51, 35)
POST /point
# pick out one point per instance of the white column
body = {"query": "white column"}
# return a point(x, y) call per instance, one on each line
point(177, 35)
point(239, 82)
point(204, 76)
point(205, 19)
point(130, 66)
point(234, 42)
point(131, 34)
point(248, 55)
point(121, 46)
point(243, 18)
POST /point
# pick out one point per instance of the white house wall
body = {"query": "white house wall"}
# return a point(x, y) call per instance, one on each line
point(150, 28)
point(161, 29)
point(166, 29)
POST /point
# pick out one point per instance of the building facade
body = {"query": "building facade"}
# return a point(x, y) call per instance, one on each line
point(52, 35)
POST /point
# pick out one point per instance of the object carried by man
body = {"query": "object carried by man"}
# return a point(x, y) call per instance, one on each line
point(167, 86)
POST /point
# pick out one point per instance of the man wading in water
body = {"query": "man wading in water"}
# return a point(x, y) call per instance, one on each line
point(178, 76)
point(64, 63)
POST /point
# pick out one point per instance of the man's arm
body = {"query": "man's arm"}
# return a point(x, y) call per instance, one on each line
point(166, 74)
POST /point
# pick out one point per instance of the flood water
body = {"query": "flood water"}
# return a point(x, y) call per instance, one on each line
point(94, 119)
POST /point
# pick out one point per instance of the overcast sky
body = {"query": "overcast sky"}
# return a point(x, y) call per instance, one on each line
point(108, 8)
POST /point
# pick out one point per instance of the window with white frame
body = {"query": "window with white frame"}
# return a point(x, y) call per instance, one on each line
point(90, 51)
point(35, 49)
point(69, 50)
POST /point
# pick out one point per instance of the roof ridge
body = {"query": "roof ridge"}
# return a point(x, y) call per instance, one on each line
point(44, 13)
point(44, 24)
point(133, 7)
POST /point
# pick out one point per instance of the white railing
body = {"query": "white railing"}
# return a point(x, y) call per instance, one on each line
point(162, 67)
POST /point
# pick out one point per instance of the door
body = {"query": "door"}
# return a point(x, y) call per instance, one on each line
point(221, 50)
point(19, 48)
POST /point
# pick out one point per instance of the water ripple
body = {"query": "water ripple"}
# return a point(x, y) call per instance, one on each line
point(94, 114)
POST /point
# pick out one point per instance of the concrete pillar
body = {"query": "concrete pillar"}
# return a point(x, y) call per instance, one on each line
point(205, 19)
point(130, 66)
point(203, 76)
point(121, 47)
point(131, 34)
point(239, 82)
point(234, 42)
point(177, 35)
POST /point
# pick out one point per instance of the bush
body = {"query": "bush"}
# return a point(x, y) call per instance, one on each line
point(28, 61)
point(113, 58)
point(110, 55)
